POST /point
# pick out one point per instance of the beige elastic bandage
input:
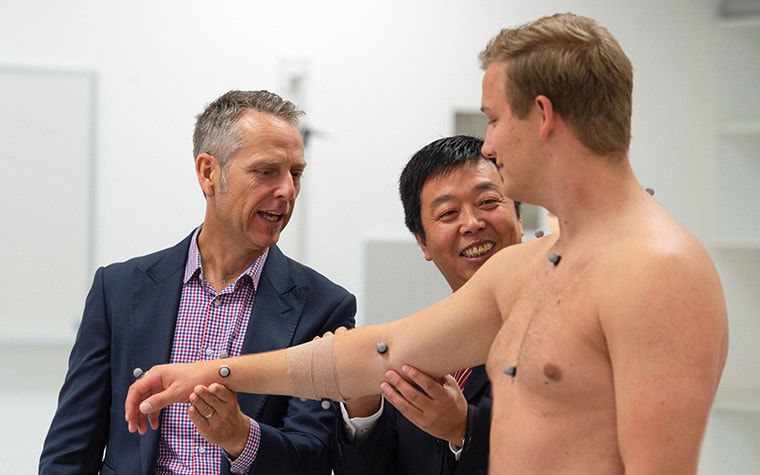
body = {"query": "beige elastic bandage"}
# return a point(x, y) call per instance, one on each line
point(311, 369)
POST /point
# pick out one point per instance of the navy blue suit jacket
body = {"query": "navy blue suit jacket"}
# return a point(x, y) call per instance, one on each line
point(395, 446)
point(129, 321)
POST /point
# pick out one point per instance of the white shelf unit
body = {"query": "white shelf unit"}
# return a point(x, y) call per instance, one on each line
point(733, 439)
point(738, 134)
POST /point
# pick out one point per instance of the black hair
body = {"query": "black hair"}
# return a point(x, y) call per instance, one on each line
point(436, 159)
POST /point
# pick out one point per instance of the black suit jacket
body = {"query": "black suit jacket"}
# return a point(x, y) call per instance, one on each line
point(396, 446)
point(129, 321)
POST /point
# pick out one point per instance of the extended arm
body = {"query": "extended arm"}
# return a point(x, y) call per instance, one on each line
point(451, 334)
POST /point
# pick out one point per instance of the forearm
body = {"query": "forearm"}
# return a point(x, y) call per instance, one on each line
point(347, 365)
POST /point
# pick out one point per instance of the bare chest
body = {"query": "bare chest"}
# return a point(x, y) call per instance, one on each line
point(550, 373)
point(551, 345)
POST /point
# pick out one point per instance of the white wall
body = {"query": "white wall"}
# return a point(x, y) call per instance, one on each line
point(383, 79)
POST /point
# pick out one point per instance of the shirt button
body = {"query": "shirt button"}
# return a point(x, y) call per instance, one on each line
point(209, 351)
point(202, 450)
point(217, 303)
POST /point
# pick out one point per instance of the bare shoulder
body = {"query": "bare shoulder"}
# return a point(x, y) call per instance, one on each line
point(669, 262)
point(672, 259)
point(511, 264)
point(662, 287)
point(663, 318)
point(506, 276)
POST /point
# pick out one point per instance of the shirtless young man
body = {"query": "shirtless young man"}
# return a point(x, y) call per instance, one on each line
point(604, 344)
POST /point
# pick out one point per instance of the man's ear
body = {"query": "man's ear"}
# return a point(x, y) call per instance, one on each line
point(547, 115)
point(421, 243)
point(207, 170)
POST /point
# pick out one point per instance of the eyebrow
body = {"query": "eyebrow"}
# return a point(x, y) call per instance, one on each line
point(268, 162)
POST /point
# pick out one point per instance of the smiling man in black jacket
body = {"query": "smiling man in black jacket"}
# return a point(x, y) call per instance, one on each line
point(454, 205)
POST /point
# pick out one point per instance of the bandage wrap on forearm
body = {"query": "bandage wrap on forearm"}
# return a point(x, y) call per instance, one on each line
point(311, 369)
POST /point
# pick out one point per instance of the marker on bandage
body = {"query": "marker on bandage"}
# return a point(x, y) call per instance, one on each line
point(311, 369)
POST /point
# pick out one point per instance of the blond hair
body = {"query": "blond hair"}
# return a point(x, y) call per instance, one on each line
point(579, 66)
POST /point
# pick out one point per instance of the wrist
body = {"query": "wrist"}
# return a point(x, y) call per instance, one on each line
point(463, 439)
point(237, 445)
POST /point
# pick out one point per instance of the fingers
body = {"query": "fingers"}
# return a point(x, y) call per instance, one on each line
point(214, 399)
point(450, 380)
point(436, 406)
point(220, 392)
point(153, 404)
point(154, 390)
point(329, 333)
point(135, 406)
point(136, 411)
point(402, 394)
point(217, 416)
point(201, 409)
point(209, 400)
point(415, 383)
point(428, 384)
point(153, 418)
point(417, 392)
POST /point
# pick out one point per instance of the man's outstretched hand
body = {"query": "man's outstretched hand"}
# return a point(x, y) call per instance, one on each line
point(160, 386)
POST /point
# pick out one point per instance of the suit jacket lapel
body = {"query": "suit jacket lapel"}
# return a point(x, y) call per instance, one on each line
point(154, 304)
point(274, 317)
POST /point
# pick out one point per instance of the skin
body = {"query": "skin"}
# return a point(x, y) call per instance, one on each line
point(247, 207)
point(467, 220)
point(589, 337)
point(619, 349)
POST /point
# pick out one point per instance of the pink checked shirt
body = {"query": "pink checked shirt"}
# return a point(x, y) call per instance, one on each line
point(210, 325)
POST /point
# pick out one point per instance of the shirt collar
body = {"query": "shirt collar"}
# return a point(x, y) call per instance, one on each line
point(193, 267)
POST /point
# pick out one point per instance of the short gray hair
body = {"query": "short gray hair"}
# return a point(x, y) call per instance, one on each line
point(215, 130)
